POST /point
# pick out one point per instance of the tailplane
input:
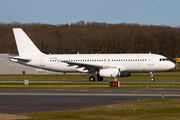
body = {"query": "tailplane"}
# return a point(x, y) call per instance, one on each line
point(24, 44)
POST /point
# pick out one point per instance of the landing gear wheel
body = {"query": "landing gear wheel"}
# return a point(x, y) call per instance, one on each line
point(91, 78)
point(100, 78)
point(152, 79)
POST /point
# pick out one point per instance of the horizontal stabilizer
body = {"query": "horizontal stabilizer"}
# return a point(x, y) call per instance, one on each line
point(19, 59)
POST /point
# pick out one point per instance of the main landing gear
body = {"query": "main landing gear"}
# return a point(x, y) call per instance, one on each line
point(100, 78)
point(92, 78)
point(152, 79)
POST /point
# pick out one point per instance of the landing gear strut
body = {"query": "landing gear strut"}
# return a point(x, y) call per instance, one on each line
point(152, 79)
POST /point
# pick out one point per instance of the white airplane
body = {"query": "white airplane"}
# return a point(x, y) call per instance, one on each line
point(103, 65)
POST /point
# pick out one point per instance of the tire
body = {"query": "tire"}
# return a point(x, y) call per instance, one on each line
point(152, 79)
point(91, 78)
point(100, 78)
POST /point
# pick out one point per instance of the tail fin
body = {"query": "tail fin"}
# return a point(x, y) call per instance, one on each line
point(24, 44)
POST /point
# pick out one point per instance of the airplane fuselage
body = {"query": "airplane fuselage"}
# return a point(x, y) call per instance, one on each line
point(126, 62)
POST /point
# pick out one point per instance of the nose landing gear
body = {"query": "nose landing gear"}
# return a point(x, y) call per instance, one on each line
point(152, 79)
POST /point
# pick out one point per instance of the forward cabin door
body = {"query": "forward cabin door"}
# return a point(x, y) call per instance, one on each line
point(150, 60)
point(42, 61)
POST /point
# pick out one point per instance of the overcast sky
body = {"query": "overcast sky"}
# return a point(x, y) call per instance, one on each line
point(147, 12)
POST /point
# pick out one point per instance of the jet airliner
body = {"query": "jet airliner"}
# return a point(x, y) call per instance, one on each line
point(101, 65)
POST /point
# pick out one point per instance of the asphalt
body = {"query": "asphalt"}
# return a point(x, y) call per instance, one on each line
point(28, 101)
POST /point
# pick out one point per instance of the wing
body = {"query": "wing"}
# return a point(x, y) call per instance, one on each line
point(86, 65)
point(91, 67)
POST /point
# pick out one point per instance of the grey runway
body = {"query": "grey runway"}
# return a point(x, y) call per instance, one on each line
point(26, 101)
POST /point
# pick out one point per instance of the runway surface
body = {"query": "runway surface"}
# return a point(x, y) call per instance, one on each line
point(26, 101)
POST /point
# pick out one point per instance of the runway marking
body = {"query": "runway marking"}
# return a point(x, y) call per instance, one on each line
point(136, 91)
point(82, 90)
point(108, 91)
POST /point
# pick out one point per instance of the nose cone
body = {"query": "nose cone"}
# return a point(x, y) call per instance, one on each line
point(171, 65)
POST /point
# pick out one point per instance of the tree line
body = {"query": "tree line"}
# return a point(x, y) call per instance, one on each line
point(92, 37)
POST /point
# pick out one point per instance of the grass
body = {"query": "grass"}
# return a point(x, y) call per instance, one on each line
point(136, 110)
point(68, 86)
point(165, 76)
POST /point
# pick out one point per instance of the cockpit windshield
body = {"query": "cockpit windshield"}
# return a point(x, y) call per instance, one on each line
point(163, 59)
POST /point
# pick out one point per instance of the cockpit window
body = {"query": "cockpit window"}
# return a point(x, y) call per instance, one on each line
point(163, 59)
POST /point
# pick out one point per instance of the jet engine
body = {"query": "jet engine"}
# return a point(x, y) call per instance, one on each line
point(110, 72)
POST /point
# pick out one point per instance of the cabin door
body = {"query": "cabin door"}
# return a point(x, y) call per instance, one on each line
point(151, 60)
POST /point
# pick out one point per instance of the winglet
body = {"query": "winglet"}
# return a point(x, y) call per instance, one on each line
point(24, 44)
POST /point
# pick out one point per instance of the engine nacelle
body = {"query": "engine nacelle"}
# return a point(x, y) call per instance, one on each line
point(125, 74)
point(110, 72)
point(82, 70)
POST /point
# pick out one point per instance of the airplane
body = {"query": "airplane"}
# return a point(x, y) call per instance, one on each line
point(101, 65)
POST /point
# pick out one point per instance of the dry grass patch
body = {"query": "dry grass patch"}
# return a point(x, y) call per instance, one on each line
point(12, 117)
point(166, 109)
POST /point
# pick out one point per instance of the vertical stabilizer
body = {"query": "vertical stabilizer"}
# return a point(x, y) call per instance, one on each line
point(24, 44)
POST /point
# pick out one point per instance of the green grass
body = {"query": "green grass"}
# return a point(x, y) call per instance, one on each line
point(136, 110)
point(77, 86)
point(165, 76)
